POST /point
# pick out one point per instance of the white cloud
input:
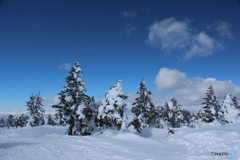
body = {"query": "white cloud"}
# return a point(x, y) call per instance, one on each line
point(129, 14)
point(190, 92)
point(223, 29)
point(48, 102)
point(168, 79)
point(171, 34)
point(65, 66)
point(202, 45)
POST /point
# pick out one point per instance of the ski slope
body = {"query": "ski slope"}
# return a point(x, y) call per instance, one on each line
point(51, 143)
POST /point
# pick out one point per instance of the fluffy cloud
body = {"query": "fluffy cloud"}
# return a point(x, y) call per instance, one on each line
point(189, 91)
point(202, 45)
point(171, 34)
point(65, 66)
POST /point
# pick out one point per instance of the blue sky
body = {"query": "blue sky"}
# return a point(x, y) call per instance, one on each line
point(179, 46)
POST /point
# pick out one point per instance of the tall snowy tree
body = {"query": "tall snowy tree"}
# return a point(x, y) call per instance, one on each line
point(74, 105)
point(143, 107)
point(112, 111)
point(35, 111)
point(211, 111)
point(230, 112)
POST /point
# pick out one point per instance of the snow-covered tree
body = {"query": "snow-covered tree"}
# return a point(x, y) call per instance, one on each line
point(35, 111)
point(211, 111)
point(196, 120)
point(235, 102)
point(230, 112)
point(22, 121)
point(74, 105)
point(11, 121)
point(112, 111)
point(143, 107)
point(186, 116)
point(3, 123)
point(171, 114)
point(164, 113)
point(50, 121)
point(61, 110)
point(176, 116)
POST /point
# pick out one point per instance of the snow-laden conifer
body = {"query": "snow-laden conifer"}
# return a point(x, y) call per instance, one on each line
point(143, 107)
point(209, 112)
point(236, 103)
point(11, 121)
point(74, 105)
point(50, 121)
point(35, 111)
point(112, 111)
point(22, 121)
point(230, 112)
point(171, 114)
point(175, 116)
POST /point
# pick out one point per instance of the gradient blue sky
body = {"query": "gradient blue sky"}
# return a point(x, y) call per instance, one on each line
point(112, 40)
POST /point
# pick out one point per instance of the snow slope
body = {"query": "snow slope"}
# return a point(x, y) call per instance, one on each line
point(50, 143)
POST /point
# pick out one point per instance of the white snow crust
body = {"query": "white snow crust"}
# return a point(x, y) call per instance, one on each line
point(51, 143)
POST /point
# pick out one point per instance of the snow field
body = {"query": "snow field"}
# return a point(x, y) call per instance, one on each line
point(50, 142)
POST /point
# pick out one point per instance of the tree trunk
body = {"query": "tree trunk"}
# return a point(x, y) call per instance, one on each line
point(71, 123)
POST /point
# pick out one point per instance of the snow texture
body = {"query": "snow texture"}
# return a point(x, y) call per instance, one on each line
point(51, 143)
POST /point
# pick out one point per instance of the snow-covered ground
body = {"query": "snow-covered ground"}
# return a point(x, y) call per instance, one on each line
point(50, 143)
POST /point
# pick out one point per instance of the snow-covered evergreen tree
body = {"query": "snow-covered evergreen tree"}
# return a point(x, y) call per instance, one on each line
point(196, 120)
point(3, 123)
point(171, 114)
point(35, 111)
point(39, 111)
point(22, 121)
point(235, 102)
point(112, 111)
point(50, 121)
point(186, 117)
point(61, 110)
point(74, 106)
point(143, 107)
point(164, 113)
point(11, 121)
point(176, 116)
point(211, 110)
point(230, 112)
